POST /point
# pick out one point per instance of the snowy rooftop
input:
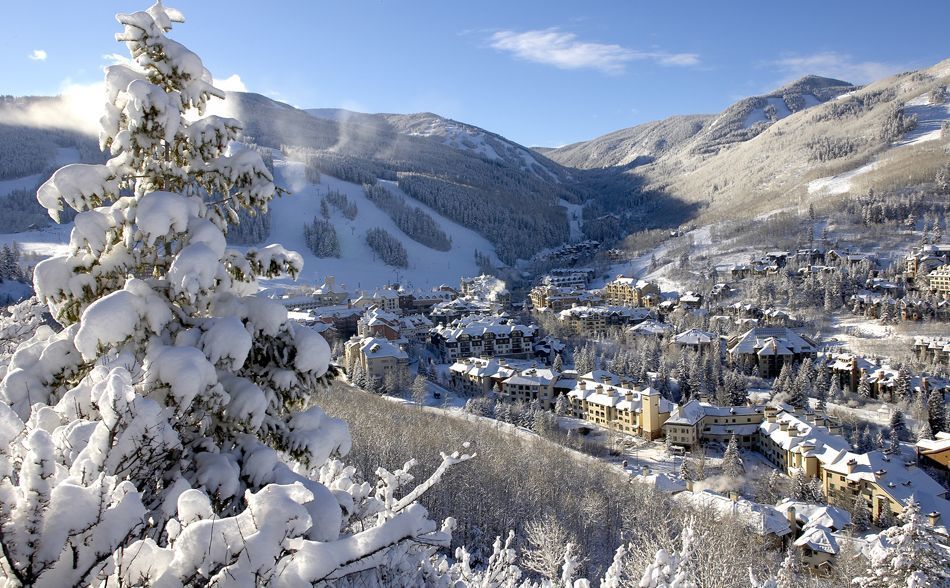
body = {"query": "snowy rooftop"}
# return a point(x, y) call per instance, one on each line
point(617, 396)
point(651, 327)
point(777, 339)
point(478, 326)
point(810, 514)
point(377, 347)
point(761, 518)
point(662, 482)
point(694, 411)
point(605, 310)
point(818, 538)
point(695, 337)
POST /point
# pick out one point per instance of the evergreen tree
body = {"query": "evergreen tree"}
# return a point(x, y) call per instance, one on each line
point(860, 514)
point(834, 392)
point(917, 555)
point(864, 386)
point(199, 457)
point(558, 364)
point(899, 425)
point(732, 466)
point(936, 412)
point(903, 384)
point(561, 406)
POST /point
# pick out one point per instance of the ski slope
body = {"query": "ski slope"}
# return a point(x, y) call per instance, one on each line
point(358, 267)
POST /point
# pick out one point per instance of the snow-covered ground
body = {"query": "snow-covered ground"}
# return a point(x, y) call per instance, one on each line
point(358, 266)
point(575, 216)
point(930, 119)
point(840, 183)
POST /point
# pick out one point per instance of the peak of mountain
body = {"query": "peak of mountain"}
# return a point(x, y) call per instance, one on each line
point(704, 134)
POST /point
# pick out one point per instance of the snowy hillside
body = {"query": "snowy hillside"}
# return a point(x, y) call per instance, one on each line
point(358, 267)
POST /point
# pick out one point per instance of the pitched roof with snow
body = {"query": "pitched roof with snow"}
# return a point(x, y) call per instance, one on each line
point(695, 337)
point(377, 347)
point(479, 326)
point(818, 538)
point(781, 340)
point(761, 518)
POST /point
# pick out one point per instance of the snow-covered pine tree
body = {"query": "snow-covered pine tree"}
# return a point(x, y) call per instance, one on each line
point(165, 434)
point(558, 364)
point(732, 460)
point(860, 514)
point(561, 406)
point(834, 391)
point(914, 555)
point(899, 425)
point(864, 386)
point(936, 412)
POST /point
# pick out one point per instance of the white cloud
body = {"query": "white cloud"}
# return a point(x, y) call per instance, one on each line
point(563, 50)
point(37, 55)
point(835, 65)
point(232, 83)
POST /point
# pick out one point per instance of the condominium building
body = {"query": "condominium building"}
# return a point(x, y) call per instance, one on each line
point(377, 355)
point(625, 291)
point(483, 336)
point(769, 348)
point(628, 410)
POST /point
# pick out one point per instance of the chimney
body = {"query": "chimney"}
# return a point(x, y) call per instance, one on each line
point(792, 520)
point(851, 463)
point(933, 518)
point(733, 496)
point(793, 431)
point(628, 396)
point(783, 426)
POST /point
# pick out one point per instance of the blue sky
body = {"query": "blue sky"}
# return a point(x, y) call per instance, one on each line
point(539, 72)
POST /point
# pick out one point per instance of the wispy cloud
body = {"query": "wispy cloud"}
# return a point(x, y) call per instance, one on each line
point(835, 65)
point(232, 83)
point(565, 51)
point(37, 55)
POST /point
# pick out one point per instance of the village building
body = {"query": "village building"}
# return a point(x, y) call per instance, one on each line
point(651, 328)
point(378, 356)
point(533, 385)
point(624, 291)
point(624, 409)
point(769, 348)
point(923, 260)
point(793, 442)
point(459, 308)
point(883, 380)
point(935, 453)
point(939, 281)
point(557, 298)
point(476, 376)
point(329, 294)
point(598, 319)
point(698, 422)
point(697, 340)
point(573, 279)
point(483, 336)
point(382, 298)
point(933, 350)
